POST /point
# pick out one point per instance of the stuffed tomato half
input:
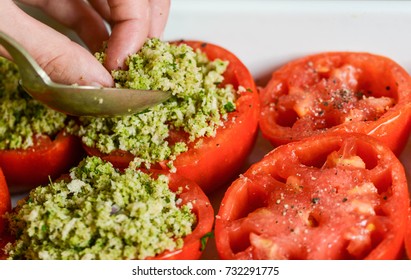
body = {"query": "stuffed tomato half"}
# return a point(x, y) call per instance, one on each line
point(98, 212)
point(204, 132)
point(342, 91)
point(34, 145)
point(335, 196)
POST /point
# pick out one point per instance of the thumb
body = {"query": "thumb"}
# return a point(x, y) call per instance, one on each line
point(63, 60)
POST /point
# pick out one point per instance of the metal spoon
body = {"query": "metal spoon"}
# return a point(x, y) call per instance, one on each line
point(77, 100)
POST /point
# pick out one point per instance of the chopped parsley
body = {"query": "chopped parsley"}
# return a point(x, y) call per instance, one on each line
point(204, 240)
point(229, 107)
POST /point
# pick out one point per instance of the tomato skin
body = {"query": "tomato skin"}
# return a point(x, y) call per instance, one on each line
point(5, 206)
point(364, 73)
point(118, 158)
point(190, 192)
point(26, 169)
point(294, 196)
point(5, 201)
point(218, 159)
point(408, 236)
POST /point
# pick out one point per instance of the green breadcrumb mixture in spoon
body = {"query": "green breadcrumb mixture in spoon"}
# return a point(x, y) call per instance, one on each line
point(99, 213)
point(198, 105)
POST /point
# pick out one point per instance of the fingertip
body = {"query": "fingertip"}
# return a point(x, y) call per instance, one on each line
point(106, 81)
point(160, 10)
point(114, 62)
point(126, 39)
point(131, 26)
point(96, 75)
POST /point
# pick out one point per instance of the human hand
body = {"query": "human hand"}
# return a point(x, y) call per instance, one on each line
point(131, 22)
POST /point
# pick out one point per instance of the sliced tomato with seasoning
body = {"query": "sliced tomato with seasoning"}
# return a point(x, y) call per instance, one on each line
point(213, 161)
point(336, 196)
point(344, 91)
point(47, 158)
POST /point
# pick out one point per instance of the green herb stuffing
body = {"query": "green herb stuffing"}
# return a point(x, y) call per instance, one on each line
point(198, 105)
point(100, 213)
point(22, 118)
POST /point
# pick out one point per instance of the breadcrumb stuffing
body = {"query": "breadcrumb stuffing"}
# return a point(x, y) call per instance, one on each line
point(22, 118)
point(99, 213)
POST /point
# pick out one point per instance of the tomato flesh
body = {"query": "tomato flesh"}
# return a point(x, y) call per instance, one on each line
point(352, 92)
point(341, 196)
point(26, 169)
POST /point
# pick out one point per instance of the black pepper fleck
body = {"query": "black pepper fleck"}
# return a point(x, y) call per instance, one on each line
point(315, 200)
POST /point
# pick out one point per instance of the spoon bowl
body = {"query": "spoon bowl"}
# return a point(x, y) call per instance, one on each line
point(78, 100)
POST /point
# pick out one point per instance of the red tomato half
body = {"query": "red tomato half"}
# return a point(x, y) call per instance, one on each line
point(26, 169)
point(352, 92)
point(5, 202)
point(336, 196)
point(218, 159)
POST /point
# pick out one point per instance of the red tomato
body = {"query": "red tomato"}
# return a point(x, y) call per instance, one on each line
point(5, 202)
point(336, 196)
point(408, 236)
point(26, 169)
point(218, 159)
point(190, 193)
point(344, 91)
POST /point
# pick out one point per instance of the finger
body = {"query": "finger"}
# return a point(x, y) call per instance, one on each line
point(78, 16)
point(130, 30)
point(63, 60)
point(102, 7)
point(159, 14)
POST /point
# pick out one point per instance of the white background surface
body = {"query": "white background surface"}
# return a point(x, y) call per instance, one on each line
point(267, 34)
